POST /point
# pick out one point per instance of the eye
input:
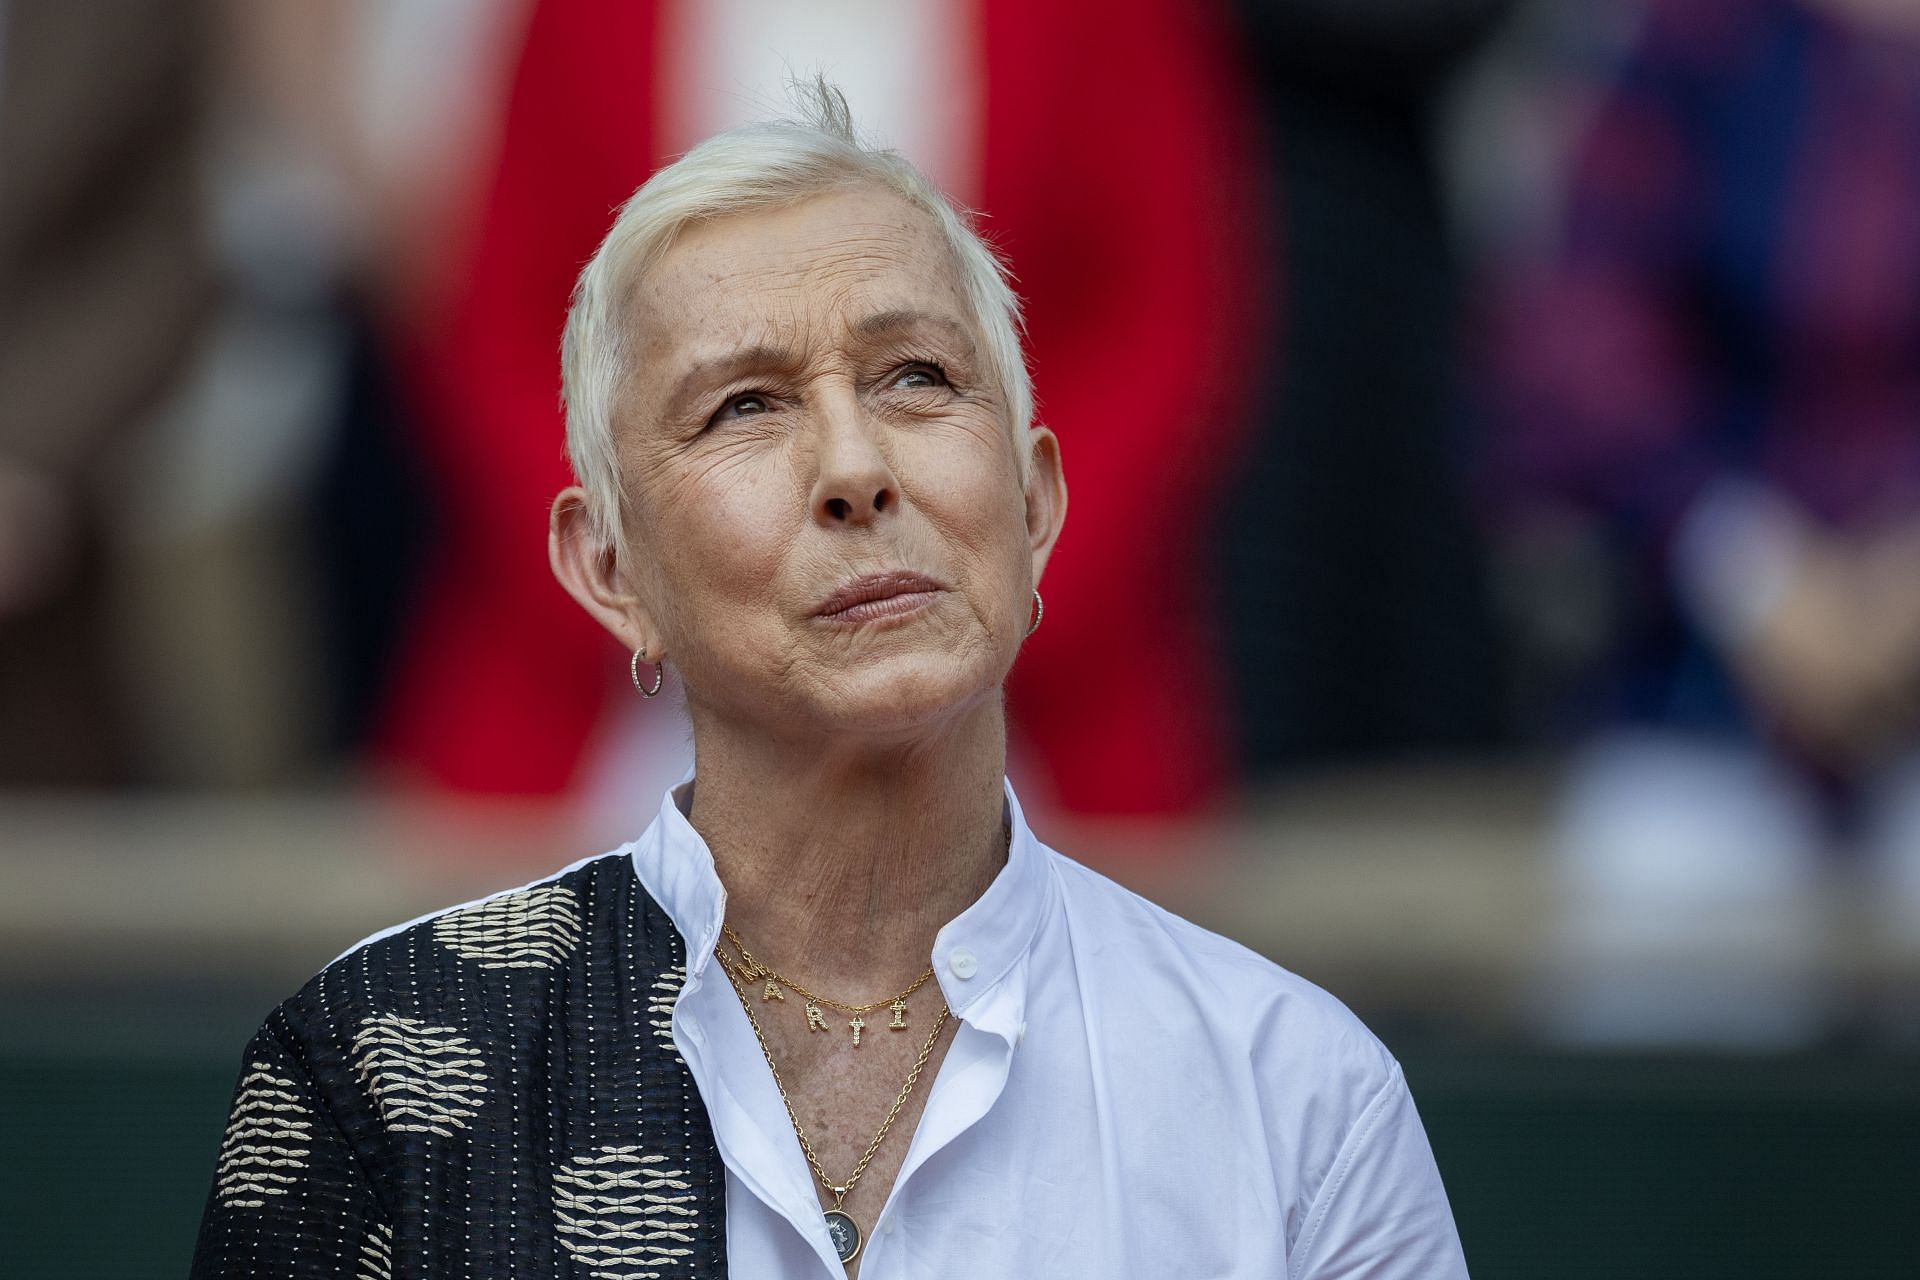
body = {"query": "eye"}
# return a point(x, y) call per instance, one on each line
point(920, 375)
point(747, 405)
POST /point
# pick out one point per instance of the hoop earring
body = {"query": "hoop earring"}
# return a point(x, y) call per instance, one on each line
point(659, 673)
point(1039, 612)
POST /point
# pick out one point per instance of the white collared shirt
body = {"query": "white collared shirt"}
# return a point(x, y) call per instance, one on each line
point(1126, 1094)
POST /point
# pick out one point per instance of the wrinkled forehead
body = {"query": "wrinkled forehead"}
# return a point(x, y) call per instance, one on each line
point(817, 272)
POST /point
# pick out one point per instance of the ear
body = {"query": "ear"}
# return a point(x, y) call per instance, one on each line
point(1046, 496)
point(591, 574)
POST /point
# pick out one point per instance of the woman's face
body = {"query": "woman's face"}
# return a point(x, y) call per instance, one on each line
point(810, 407)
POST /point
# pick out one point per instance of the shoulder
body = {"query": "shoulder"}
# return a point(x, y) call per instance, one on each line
point(1282, 1025)
point(511, 948)
point(491, 1027)
point(1184, 1012)
point(530, 926)
point(1181, 962)
point(544, 910)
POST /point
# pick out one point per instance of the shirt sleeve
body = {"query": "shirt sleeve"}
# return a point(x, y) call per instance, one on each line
point(290, 1197)
point(1382, 1212)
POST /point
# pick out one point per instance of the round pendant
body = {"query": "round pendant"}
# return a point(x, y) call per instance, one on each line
point(846, 1236)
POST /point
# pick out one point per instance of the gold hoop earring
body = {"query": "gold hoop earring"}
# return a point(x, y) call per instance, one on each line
point(659, 673)
point(1039, 611)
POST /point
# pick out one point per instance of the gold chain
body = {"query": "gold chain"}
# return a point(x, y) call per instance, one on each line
point(756, 970)
point(741, 981)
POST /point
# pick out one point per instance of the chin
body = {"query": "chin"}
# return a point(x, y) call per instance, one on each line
point(910, 693)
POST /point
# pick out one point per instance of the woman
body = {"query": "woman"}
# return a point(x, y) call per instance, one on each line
point(837, 1009)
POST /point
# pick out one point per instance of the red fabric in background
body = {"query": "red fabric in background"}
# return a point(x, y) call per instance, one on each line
point(1117, 178)
point(503, 677)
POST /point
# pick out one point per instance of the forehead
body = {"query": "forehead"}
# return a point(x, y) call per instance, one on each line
point(749, 277)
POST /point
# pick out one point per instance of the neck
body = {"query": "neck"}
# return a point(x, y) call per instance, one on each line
point(841, 861)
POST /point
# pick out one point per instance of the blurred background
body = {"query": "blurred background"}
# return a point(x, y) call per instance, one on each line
point(1493, 588)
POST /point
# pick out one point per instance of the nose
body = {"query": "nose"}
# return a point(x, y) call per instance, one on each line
point(853, 483)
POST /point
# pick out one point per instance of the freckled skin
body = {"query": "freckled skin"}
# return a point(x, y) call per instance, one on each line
point(732, 520)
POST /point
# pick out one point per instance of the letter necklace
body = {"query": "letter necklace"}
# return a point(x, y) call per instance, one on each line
point(841, 1227)
point(775, 988)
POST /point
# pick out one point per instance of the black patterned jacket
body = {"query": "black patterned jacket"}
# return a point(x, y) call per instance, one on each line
point(490, 1092)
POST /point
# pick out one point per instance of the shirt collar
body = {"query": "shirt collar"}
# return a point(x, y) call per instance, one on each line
point(973, 953)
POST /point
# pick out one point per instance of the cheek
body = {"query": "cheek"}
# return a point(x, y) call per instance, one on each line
point(719, 533)
point(973, 497)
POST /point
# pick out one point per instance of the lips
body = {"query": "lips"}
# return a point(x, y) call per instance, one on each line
point(879, 594)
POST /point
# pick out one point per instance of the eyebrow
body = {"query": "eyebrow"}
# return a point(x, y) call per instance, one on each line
point(884, 324)
point(714, 370)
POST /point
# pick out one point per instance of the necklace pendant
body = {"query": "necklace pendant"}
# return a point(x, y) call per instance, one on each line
point(816, 1020)
point(772, 991)
point(844, 1232)
point(858, 1026)
point(899, 1008)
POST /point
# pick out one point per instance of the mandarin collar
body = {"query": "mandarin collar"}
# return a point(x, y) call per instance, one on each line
point(972, 954)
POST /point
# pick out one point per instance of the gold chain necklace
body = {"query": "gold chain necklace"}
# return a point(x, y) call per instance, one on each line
point(841, 1227)
point(775, 988)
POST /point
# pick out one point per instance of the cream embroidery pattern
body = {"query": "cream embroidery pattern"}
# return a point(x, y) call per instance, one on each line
point(623, 1216)
point(376, 1254)
point(663, 993)
point(266, 1143)
point(425, 1079)
point(531, 929)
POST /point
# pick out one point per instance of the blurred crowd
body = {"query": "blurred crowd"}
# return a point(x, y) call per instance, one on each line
point(1437, 380)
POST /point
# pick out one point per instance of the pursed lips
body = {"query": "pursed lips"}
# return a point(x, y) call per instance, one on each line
point(880, 595)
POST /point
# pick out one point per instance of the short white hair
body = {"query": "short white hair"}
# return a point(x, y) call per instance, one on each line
point(757, 166)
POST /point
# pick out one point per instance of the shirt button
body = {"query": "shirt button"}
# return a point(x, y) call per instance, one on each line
point(1022, 1037)
point(961, 961)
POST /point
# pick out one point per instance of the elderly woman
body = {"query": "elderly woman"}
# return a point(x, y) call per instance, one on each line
point(838, 1008)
